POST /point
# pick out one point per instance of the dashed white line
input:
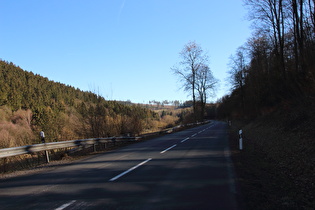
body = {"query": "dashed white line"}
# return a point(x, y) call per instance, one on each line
point(184, 140)
point(168, 148)
point(129, 170)
point(65, 205)
point(144, 162)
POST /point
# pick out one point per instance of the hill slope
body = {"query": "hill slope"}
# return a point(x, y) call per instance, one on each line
point(30, 103)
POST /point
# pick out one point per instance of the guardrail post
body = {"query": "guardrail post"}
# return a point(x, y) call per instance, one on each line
point(96, 143)
point(47, 156)
point(5, 164)
point(240, 140)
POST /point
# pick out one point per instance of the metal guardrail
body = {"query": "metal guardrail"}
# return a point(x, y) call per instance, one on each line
point(8, 152)
point(29, 149)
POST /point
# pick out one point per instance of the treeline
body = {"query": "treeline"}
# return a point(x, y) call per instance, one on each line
point(276, 67)
point(30, 103)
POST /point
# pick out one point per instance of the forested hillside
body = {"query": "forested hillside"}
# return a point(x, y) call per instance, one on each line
point(272, 101)
point(30, 103)
point(275, 68)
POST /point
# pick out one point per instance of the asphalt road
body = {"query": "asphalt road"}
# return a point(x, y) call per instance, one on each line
point(185, 170)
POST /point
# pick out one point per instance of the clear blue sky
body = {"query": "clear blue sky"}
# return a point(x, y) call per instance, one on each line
point(121, 49)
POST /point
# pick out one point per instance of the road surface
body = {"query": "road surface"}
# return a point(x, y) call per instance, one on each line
point(190, 169)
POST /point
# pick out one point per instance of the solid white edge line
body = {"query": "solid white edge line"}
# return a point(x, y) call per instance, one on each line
point(232, 185)
point(129, 170)
point(168, 148)
point(65, 205)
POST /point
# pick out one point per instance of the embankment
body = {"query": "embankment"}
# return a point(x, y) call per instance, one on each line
point(276, 168)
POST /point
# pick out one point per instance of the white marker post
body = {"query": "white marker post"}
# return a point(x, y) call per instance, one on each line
point(241, 140)
point(42, 136)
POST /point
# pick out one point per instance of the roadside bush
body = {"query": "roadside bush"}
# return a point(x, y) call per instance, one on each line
point(17, 131)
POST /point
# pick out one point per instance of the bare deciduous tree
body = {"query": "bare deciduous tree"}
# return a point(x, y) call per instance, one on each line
point(271, 14)
point(195, 74)
point(238, 72)
point(205, 85)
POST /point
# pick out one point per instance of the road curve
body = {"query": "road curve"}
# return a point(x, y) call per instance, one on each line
point(184, 170)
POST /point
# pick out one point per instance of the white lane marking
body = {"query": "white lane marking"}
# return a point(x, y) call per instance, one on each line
point(168, 148)
point(210, 126)
point(184, 140)
point(129, 170)
point(65, 205)
point(201, 131)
